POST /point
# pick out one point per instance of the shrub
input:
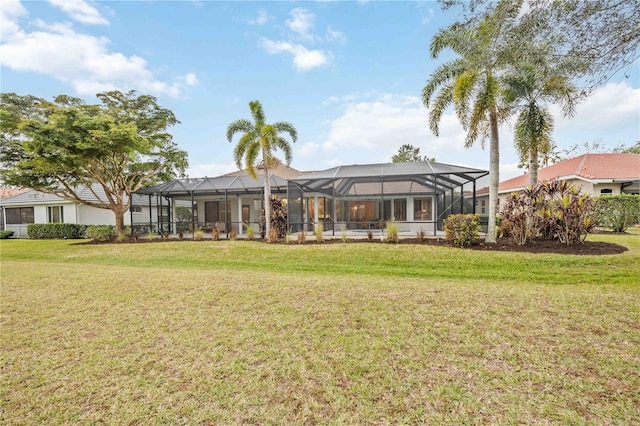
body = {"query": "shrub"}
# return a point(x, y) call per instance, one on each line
point(302, 236)
point(5, 234)
point(56, 231)
point(100, 232)
point(251, 233)
point(273, 235)
point(343, 230)
point(215, 234)
point(617, 212)
point(319, 228)
point(369, 235)
point(392, 231)
point(122, 237)
point(198, 235)
point(549, 210)
point(278, 217)
point(233, 234)
point(421, 236)
point(151, 236)
point(462, 229)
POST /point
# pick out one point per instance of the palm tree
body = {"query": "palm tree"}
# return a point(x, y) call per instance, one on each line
point(260, 139)
point(528, 87)
point(471, 84)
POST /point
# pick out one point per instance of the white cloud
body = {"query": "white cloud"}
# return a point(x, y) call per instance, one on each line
point(263, 18)
point(10, 12)
point(301, 22)
point(335, 36)
point(428, 16)
point(611, 106)
point(81, 11)
point(83, 61)
point(303, 58)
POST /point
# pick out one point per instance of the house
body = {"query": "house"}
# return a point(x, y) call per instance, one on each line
point(595, 174)
point(357, 197)
point(30, 206)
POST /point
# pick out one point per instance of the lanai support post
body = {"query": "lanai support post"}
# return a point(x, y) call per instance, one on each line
point(193, 215)
point(435, 210)
point(334, 208)
point(226, 213)
point(159, 202)
point(150, 214)
point(462, 199)
point(473, 201)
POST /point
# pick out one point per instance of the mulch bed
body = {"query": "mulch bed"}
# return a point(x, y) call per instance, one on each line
point(591, 248)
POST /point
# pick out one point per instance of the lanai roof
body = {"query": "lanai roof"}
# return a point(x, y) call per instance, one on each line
point(424, 174)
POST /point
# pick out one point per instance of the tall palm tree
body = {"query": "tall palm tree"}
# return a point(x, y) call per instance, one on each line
point(528, 87)
point(470, 82)
point(260, 139)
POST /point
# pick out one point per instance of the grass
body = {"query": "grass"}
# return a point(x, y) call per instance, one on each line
point(243, 332)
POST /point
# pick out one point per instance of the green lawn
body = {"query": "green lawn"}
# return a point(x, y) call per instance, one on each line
point(248, 333)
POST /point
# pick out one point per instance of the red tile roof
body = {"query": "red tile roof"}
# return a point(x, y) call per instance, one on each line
point(587, 166)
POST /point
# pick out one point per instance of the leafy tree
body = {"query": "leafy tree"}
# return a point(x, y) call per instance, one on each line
point(66, 146)
point(471, 83)
point(409, 153)
point(600, 37)
point(529, 86)
point(260, 139)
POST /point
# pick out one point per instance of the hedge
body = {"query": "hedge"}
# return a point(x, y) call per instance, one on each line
point(53, 231)
point(5, 234)
point(617, 212)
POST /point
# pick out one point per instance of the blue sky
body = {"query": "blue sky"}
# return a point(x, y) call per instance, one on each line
point(348, 75)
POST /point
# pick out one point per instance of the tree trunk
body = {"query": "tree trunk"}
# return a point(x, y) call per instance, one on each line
point(267, 200)
point(119, 221)
point(494, 174)
point(533, 168)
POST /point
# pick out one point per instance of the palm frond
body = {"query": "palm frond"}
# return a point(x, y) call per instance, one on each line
point(239, 126)
point(286, 127)
point(257, 113)
point(440, 104)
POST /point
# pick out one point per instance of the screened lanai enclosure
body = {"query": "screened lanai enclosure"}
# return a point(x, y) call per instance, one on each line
point(356, 198)
point(416, 195)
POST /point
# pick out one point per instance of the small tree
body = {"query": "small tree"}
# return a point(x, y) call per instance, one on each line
point(66, 146)
point(617, 212)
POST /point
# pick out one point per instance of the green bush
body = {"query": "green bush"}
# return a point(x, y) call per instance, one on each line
point(101, 232)
point(462, 229)
point(617, 212)
point(56, 231)
point(5, 234)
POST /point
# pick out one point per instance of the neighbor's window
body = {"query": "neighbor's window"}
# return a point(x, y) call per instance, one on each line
point(606, 191)
point(19, 215)
point(54, 214)
point(482, 207)
point(422, 209)
point(136, 209)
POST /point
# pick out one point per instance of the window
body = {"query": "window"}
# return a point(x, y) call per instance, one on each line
point(482, 207)
point(136, 209)
point(54, 214)
point(215, 212)
point(422, 209)
point(400, 209)
point(19, 215)
point(606, 191)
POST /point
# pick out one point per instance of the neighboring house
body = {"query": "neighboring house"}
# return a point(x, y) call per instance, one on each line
point(30, 206)
point(417, 195)
point(595, 174)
